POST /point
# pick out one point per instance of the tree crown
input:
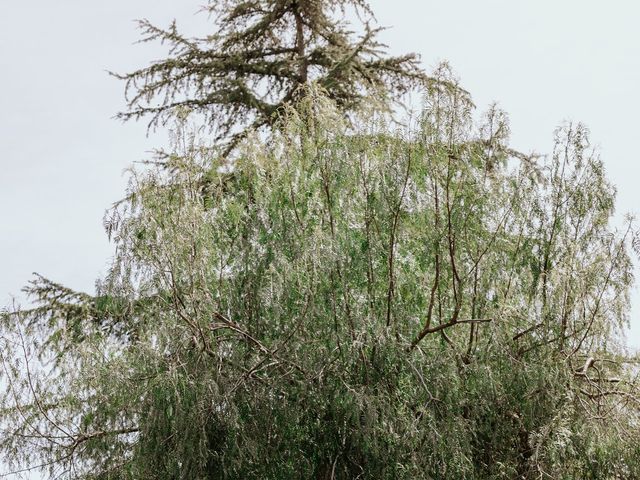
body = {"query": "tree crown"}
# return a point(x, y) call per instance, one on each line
point(261, 53)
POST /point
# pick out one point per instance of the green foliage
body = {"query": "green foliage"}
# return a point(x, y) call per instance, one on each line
point(342, 302)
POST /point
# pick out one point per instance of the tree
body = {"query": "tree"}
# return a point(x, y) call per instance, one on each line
point(259, 56)
point(367, 303)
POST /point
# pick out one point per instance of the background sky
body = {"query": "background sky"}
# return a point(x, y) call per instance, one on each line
point(62, 156)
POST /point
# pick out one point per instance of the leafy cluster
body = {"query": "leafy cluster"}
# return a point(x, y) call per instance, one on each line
point(343, 303)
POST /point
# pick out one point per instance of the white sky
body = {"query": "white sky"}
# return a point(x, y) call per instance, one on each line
point(62, 156)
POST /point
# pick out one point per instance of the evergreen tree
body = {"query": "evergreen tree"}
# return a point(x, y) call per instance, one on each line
point(260, 54)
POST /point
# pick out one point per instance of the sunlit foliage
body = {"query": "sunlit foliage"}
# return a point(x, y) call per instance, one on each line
point(346, 300)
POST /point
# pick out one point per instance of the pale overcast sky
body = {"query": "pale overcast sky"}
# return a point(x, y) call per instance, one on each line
point(62, 155)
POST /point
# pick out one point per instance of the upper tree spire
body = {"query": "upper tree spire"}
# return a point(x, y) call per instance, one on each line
point(260, 53)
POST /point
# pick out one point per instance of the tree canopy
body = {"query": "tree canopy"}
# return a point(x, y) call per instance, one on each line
point(258, 57)
point(379, 303)
point(347, 298)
